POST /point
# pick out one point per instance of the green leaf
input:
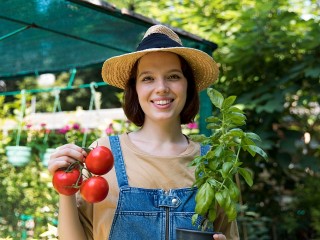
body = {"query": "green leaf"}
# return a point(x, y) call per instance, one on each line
point(247, 175)
point(219, 199)
point(213, 182)
point(218, 150)
point(235, 109)
point(212, 119)
point(215, 135)
point(226, 197)
point(236, 118)
point(247, 141)
point(213, 126)
point(231, 212)
point(204, 198)
point(215, 97)
point(195, 161)
point(233, 190)
point(258, 150)
point(236, 132)
point(213, 164)
point(226, 167)
point(246, 148)
point(212, 214)
point(228, 102)
point(198, 138)
point(253, 136)
point(194, 218)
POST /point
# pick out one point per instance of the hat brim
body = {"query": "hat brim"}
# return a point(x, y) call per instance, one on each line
point(116, 70)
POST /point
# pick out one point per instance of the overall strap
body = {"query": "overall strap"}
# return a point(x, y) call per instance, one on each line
point(204, 149)
point(118, 161)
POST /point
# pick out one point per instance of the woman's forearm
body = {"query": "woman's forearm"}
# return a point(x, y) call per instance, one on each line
point(69, 226)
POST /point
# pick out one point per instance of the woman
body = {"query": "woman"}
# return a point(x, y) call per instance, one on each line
point(150, 192)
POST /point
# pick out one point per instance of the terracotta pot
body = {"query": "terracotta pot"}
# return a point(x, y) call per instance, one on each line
point(18, 156)
point(188, 234)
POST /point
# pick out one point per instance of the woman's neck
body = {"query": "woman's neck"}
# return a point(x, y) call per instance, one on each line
point(160, 139)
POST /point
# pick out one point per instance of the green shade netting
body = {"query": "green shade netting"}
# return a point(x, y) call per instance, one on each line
point(39, 36)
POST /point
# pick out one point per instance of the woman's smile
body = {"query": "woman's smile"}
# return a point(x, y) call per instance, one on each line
point(162, 102)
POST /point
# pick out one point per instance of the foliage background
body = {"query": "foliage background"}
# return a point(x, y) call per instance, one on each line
point(269, 52)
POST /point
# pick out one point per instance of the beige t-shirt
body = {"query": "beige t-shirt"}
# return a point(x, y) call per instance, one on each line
point(144, 171)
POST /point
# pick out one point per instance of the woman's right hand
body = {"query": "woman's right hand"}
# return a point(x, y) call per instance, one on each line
point(65, 155)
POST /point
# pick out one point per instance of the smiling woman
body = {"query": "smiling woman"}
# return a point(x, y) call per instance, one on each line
point(151, 192)
point(132, 106)
point(161, 87)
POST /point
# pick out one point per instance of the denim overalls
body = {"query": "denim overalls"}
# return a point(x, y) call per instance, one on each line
point(144, 214)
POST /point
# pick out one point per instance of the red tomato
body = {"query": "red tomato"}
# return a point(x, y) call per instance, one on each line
point(65, 181)
point(94, 189)
point(99, 160)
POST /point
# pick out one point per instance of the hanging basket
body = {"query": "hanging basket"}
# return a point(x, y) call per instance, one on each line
point(46, 156)
point(18, 156)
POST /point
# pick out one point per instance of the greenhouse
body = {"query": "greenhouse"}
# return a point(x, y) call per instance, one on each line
point(265, 103)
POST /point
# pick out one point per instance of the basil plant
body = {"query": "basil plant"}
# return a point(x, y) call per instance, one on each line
point(215, 171)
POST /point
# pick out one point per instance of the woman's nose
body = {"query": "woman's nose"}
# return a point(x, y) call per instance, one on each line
point(162, 86)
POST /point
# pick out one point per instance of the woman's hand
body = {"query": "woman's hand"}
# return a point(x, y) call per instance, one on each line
point(219, 237)
point(64, 156)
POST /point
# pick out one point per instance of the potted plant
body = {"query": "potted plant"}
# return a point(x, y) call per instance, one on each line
point(19, 153)
point(215, 171)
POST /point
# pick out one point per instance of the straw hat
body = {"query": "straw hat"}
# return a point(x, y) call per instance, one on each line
point(116, 70)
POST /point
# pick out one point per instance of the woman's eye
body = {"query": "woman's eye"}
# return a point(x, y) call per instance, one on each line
point(174, 76)
point(147, 79)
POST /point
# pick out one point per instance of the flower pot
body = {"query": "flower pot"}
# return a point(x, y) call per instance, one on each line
point(188, 234)
point(18, 156)
point(46, 156)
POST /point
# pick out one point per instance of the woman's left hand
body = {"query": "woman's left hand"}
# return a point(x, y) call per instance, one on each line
point(219, 237)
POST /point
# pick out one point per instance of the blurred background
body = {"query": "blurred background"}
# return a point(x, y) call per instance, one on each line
point(269, 56)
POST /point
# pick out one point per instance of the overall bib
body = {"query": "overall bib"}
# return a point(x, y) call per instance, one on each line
point(149, 214)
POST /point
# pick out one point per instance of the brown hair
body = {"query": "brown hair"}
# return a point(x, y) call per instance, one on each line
point(133, 110)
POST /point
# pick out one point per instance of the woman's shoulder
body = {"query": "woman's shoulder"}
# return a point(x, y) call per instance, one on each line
point(105, 140)
point(102, 141)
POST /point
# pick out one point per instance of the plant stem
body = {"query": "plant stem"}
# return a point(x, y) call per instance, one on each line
point(236, 160)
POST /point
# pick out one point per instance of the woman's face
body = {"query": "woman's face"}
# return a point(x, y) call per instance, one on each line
point(161, 86)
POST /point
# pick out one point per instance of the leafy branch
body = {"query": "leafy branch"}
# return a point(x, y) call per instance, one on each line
point(215, 171)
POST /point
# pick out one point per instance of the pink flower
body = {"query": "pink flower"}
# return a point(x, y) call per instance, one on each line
point(43, 125)
point(192, 125)
point(109, 129)
point(64, 130)
point(84, 130)
point(76, 126)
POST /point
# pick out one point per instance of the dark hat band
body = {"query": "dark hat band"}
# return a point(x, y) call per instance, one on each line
point(157, 40)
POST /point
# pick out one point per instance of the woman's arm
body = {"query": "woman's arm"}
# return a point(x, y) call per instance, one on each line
point(69, 225)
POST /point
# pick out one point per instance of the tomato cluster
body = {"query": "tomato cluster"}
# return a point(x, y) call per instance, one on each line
point(93, 187)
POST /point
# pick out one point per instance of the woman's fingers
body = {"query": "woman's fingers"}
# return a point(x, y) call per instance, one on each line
point(65, 155)
point(71, 151)
point(219, 237)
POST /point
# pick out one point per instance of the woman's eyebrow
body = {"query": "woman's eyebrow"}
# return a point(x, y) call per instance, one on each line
point(144, 73)
point(175, 70)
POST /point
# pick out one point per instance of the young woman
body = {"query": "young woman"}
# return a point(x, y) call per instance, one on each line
point(150, 194)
